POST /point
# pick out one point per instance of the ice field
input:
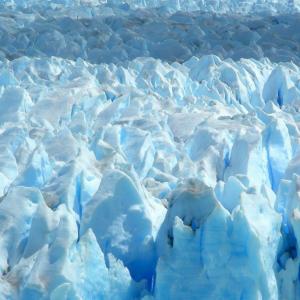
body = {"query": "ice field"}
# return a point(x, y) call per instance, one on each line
point(150, 150)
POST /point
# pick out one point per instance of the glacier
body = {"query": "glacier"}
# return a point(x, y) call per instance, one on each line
point(149, 150)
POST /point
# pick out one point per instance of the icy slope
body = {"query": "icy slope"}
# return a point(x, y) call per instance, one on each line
point(147, 178)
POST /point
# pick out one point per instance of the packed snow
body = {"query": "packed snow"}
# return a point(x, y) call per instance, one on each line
point(149, 150)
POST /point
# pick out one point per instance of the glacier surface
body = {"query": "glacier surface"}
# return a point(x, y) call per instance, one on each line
point(149, 150)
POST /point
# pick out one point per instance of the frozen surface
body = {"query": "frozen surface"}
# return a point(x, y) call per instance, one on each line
point(149, 153)
point(212, 6)
point(115, 34)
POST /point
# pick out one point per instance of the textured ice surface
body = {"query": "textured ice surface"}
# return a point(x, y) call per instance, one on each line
point(219, 6)
point(115, 34)
point(149, 153)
